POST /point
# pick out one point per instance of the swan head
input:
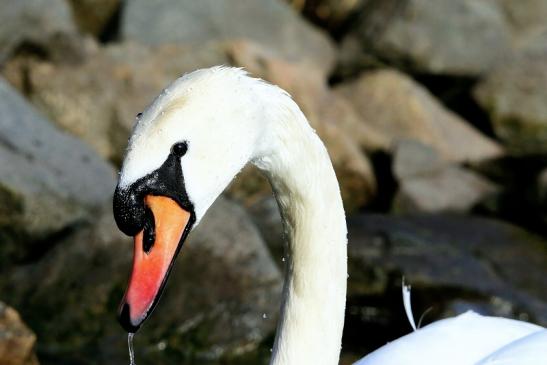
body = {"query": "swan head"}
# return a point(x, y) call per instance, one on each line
point(184, 150)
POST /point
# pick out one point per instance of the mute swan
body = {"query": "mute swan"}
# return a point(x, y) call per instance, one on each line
point(184, 150)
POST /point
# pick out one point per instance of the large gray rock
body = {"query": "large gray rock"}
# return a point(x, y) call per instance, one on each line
point(394, 107)
point(222, 297)
point(33, 21)
point(491, 266)
point(455, 37)
point(48, 180)
point(16, 339)
point(515, 96)
point(271, 23)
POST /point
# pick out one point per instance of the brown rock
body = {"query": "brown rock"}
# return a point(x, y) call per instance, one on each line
point(97, 100)
point(16, 339)
point(393, 107)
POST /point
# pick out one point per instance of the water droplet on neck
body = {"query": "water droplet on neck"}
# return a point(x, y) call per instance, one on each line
point(130, 346)
point(264, 315)
point(283, 259)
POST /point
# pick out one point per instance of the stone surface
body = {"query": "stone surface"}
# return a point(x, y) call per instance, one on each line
point(222, 285)
point(453, 263)
point(412, 158)
point(98, 99)
point(32, 21)
point(429, 36)
point(16, 339)
point(514, 94)
point(49, 181)
point(447, 258)
point(526, 17)
point(449, 190)
point(93, 16)
point(394, 107)
point(428, 184)
point(330, 14)
point(271, 23)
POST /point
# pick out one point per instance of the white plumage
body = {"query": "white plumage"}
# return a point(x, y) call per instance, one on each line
point(229, 119)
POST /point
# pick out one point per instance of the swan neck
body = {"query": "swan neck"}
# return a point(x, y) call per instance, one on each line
point(308, 195)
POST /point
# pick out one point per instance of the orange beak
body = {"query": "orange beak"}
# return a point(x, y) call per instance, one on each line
point(156, 247)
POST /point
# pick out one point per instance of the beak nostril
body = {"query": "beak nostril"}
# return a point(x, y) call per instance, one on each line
point(149, 231)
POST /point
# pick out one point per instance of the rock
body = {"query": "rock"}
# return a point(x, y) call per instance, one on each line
point(526, 17)
point(213, 306)
point(394, 107)
point(542, 185)
point(94, 16)
point(452, 262)
point(333, 117)
point(330, 14)
point(541, 189)
point(16, 339)
point(422, 34)
point(271, 23)
point(98, 99)
point(426, 184)
point(450, 190)
point(412, 158)
point(49, 181)
point(32, 21)
point(514, 95)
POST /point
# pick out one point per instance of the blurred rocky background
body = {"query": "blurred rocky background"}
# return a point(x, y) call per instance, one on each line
point(434, 113)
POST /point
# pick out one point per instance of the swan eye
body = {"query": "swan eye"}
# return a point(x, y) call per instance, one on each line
point(179, 149)
point(149, 231)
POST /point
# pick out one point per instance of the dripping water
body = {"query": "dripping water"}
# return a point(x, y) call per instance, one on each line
point(130, 345)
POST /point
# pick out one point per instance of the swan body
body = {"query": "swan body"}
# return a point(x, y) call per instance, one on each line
point(462, 340)
point(185, 149)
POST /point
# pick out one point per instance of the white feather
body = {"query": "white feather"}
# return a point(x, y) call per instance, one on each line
point(407, 304)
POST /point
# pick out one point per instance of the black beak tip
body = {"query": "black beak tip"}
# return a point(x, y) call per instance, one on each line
point(125, 319)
